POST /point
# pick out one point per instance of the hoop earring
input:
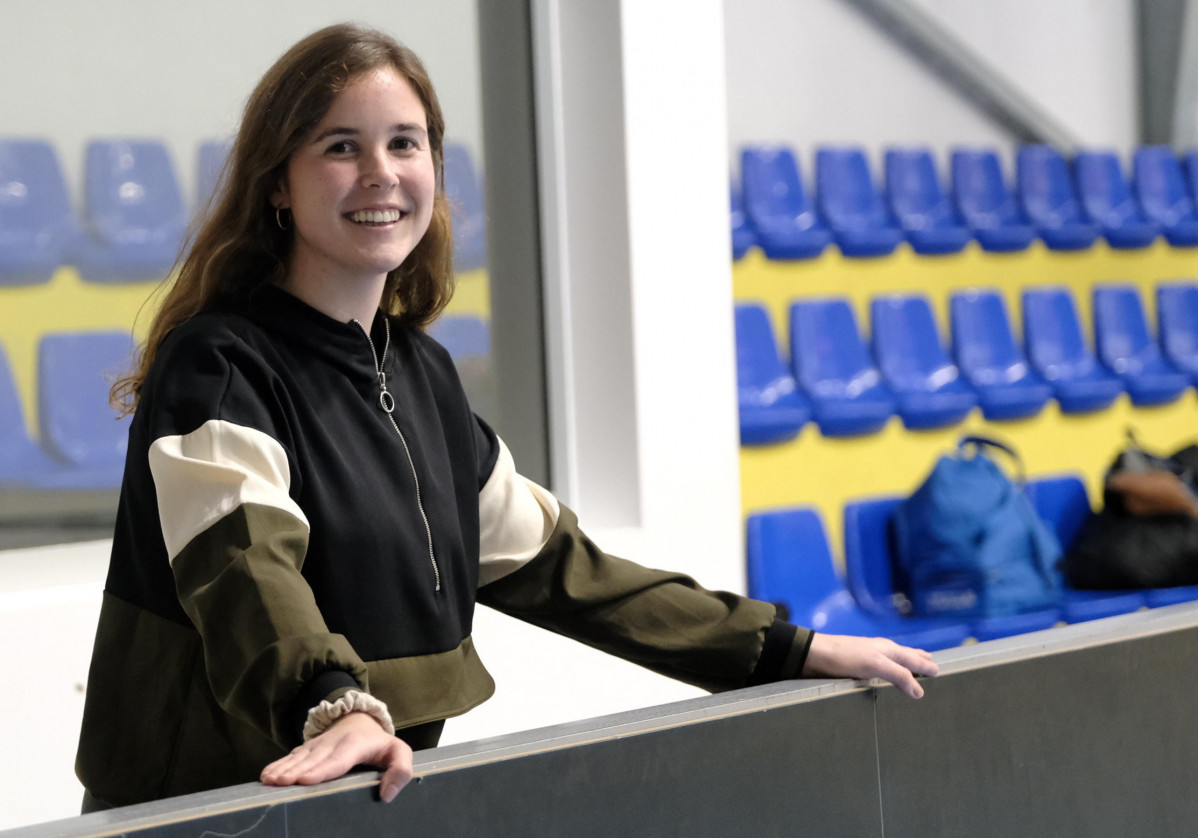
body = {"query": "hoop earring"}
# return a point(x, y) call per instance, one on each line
point(279, 219)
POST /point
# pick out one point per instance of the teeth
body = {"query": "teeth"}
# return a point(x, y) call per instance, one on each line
point(374, 216)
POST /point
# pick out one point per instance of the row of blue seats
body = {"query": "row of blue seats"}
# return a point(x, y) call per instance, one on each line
point(1067, 203)
point(81, 442)
point(133, 218)
point(851, 387)
point(790, 563)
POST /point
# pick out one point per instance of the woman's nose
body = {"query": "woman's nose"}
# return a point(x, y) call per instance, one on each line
point(377, 169)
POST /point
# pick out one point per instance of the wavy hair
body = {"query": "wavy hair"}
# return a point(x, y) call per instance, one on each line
point(238, 247)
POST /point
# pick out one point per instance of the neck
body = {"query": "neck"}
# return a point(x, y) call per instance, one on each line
point(340, 298)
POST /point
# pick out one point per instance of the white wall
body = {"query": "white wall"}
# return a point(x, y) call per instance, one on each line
point(810, 72)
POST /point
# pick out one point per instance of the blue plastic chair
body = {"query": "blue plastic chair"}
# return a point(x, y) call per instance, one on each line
point(850, 204)
point(22, 463)
point(463, 188)
point(834, 368)
point(915, 365)
point(463, 336)
point(771, 407)
point(1057, 349)
point(1177, 324)
point(991, 361)
point(75, 372)
point(211, 157)
point(1108, 202)
point(916, 199)
point(777, 207)
point(38, 230)
point(1049, 201)
point(133, 211)
point(1164, 197)
point(1126, 346)
point(1064, 505)
point(743, 236)
point(789, 563)
point(877, 581)
point(986, 204)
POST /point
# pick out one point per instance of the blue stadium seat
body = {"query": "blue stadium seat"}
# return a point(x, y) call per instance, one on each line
point(789, 563)
point(915, 365)
point(743, 236)
point(133, 210)
point(985, 202)
point(1163, 195)
point(834, 368)
point(464, 189)
point(75, 372)
point(777, 207)
point(1126, 346)
point(771, 407)
point(463, 336)
point(1108, 203)
point(1177, 321)
point(1064, 505)
point(920, 205)
point(38, 230)
point(22, 463)
point(1057, 349)
point(877, 582)
point(991, 361)
point(850, 204)
point(210, 166)
point(1048, 198)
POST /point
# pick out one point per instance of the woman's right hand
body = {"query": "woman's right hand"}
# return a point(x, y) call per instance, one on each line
point(354, 739)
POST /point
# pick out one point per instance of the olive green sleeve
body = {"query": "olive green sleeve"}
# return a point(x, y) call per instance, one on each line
point(663, 621)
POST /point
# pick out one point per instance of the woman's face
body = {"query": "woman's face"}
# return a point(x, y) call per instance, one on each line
point(360, 187)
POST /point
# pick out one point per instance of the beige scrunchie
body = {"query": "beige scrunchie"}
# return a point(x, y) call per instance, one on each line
point(324, 714)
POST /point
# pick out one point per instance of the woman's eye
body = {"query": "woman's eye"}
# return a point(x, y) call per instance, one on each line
point(339, 147)
point(403, 144)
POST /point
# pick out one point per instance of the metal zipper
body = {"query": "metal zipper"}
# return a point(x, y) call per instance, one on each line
point(387, 403)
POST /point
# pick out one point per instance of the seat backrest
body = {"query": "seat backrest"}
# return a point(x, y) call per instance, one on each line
point(772, 186)
point(845, 190)
point(827, 353)
point(907, 343)
point(131, 193)
point(210, 168)
point(14, 436)
point(1063, 504)
point(34, 201)
point(913, 189)
point(464, 336)
point(1160, 185)
point(979, 190)
point(1104, 191)
point(872, 574)
point(983, 345)
point(1121, 334)
point(1189, 170)
point(760, 373)
point(1052, 332)
point(1177, 320)
point(75, 372)
point(789, 560)
point(1045, 188)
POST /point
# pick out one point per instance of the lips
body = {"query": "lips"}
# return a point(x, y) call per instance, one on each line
point(386, 216)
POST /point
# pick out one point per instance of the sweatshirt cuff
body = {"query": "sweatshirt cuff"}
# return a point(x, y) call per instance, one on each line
point(783, 653)
point(329, 685)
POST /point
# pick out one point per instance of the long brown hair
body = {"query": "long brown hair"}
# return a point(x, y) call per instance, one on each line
point(240, 247)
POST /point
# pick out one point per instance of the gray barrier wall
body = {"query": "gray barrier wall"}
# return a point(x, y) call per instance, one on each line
point(1085, 730)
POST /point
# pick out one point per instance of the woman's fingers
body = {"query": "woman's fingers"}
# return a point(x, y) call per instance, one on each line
point(840, 656)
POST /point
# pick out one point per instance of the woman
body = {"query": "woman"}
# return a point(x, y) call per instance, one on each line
point(310, 510)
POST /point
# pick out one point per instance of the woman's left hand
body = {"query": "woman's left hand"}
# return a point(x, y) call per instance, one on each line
point(354, 739)
point(841, 656)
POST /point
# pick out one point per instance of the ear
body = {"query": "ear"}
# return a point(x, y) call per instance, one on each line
point(281, 197)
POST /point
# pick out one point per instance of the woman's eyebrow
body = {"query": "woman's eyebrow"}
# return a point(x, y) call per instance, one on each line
point(338, 131)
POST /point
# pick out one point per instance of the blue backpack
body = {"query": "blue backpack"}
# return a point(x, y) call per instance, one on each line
point(971, 544)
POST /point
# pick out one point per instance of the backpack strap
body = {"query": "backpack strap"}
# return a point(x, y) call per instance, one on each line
point(982, 444)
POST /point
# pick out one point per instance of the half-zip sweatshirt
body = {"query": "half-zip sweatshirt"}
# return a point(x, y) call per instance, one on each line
point(271, 551)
